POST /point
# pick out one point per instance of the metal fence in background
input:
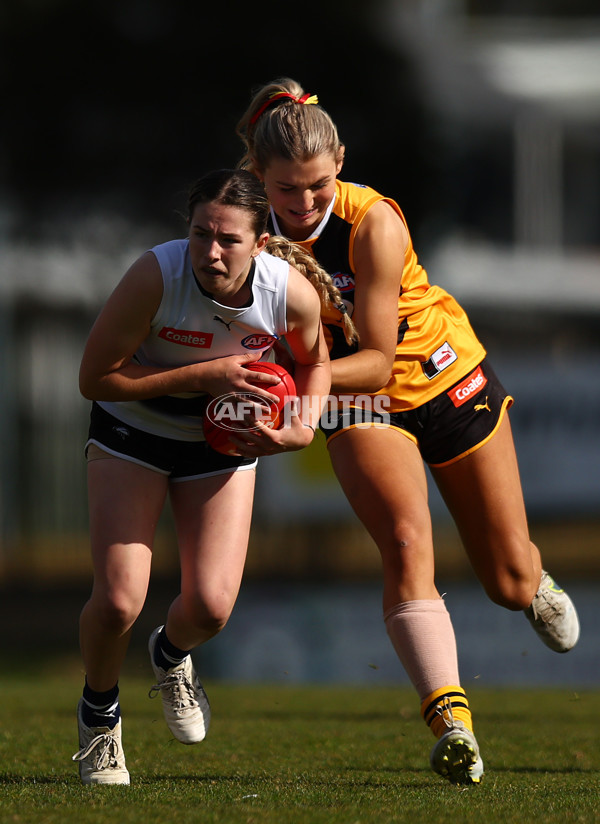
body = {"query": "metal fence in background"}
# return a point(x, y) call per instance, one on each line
point(42, 430)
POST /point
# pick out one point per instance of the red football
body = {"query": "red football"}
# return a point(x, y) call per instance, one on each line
point(224, 415)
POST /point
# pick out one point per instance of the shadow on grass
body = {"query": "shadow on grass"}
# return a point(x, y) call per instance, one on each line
point(415, 778)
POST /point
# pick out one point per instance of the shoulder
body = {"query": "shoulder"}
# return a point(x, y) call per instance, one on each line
point(144, 275)
point(372, 214)
point(302, 300)
point(270, 269)
point(353, 199)
point(139, 292)
point(383, 223)
point(172, 255)
point(355, 191)
point(366, 200)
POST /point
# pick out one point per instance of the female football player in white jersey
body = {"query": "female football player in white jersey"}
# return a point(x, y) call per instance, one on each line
point(185, 324)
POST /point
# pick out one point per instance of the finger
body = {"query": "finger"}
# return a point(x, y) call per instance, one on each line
point(261, 391)
point(250, 357)
point(263, 377)
point(260, 416)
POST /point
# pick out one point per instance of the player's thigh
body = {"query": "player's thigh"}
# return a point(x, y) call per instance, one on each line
point(212, 518)
point(483, 493)
point(125, 502)
point(382, 474)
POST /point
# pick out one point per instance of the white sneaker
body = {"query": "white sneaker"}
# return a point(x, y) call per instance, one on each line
point(553, 616)
point(186, 707)
point(101, 758)
point(456, 756)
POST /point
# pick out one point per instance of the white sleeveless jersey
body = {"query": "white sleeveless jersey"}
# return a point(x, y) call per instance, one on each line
point(190, 327)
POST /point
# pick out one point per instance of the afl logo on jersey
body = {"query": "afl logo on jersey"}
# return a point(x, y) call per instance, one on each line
point(345, 283)
point(259, 341)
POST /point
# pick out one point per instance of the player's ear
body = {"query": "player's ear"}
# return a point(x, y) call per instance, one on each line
point(258, 172)
point(261, 243)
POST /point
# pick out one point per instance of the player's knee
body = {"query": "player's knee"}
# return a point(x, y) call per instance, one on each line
point(118, 614)
point(404, 545)
point(512, 591)
point(208, 614)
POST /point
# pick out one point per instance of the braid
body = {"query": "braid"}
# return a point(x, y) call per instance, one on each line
point(306, 264)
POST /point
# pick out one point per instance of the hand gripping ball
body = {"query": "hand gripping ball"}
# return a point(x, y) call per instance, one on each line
point(225, 415)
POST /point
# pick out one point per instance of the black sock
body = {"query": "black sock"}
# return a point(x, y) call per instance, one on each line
point(100, 709)
point(166, 655)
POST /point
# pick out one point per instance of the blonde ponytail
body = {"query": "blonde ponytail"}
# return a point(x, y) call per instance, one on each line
point(275, 126)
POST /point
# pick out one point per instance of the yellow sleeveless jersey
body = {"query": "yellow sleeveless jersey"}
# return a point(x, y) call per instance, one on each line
point(436, 344)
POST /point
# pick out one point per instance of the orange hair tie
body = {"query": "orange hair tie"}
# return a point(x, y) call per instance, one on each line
point(305, 99)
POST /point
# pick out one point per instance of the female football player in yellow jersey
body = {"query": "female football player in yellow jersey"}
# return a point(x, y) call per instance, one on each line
point(416, 387)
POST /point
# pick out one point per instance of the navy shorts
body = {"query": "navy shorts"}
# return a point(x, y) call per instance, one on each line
point(448, 427)
point(180, 460)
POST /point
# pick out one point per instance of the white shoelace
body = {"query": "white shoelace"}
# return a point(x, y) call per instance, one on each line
point(545, 609)
point(445, 710)
point(106, 756)
point(179, 691)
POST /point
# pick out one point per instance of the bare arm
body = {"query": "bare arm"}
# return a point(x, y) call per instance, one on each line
point(107, 370)
point(305, 337)
point(312, 375)
point(379, 261)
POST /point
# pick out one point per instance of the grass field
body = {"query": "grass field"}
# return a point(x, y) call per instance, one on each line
point(298, 755)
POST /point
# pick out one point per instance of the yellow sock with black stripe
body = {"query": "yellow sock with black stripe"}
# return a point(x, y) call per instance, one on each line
point(444, 706)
